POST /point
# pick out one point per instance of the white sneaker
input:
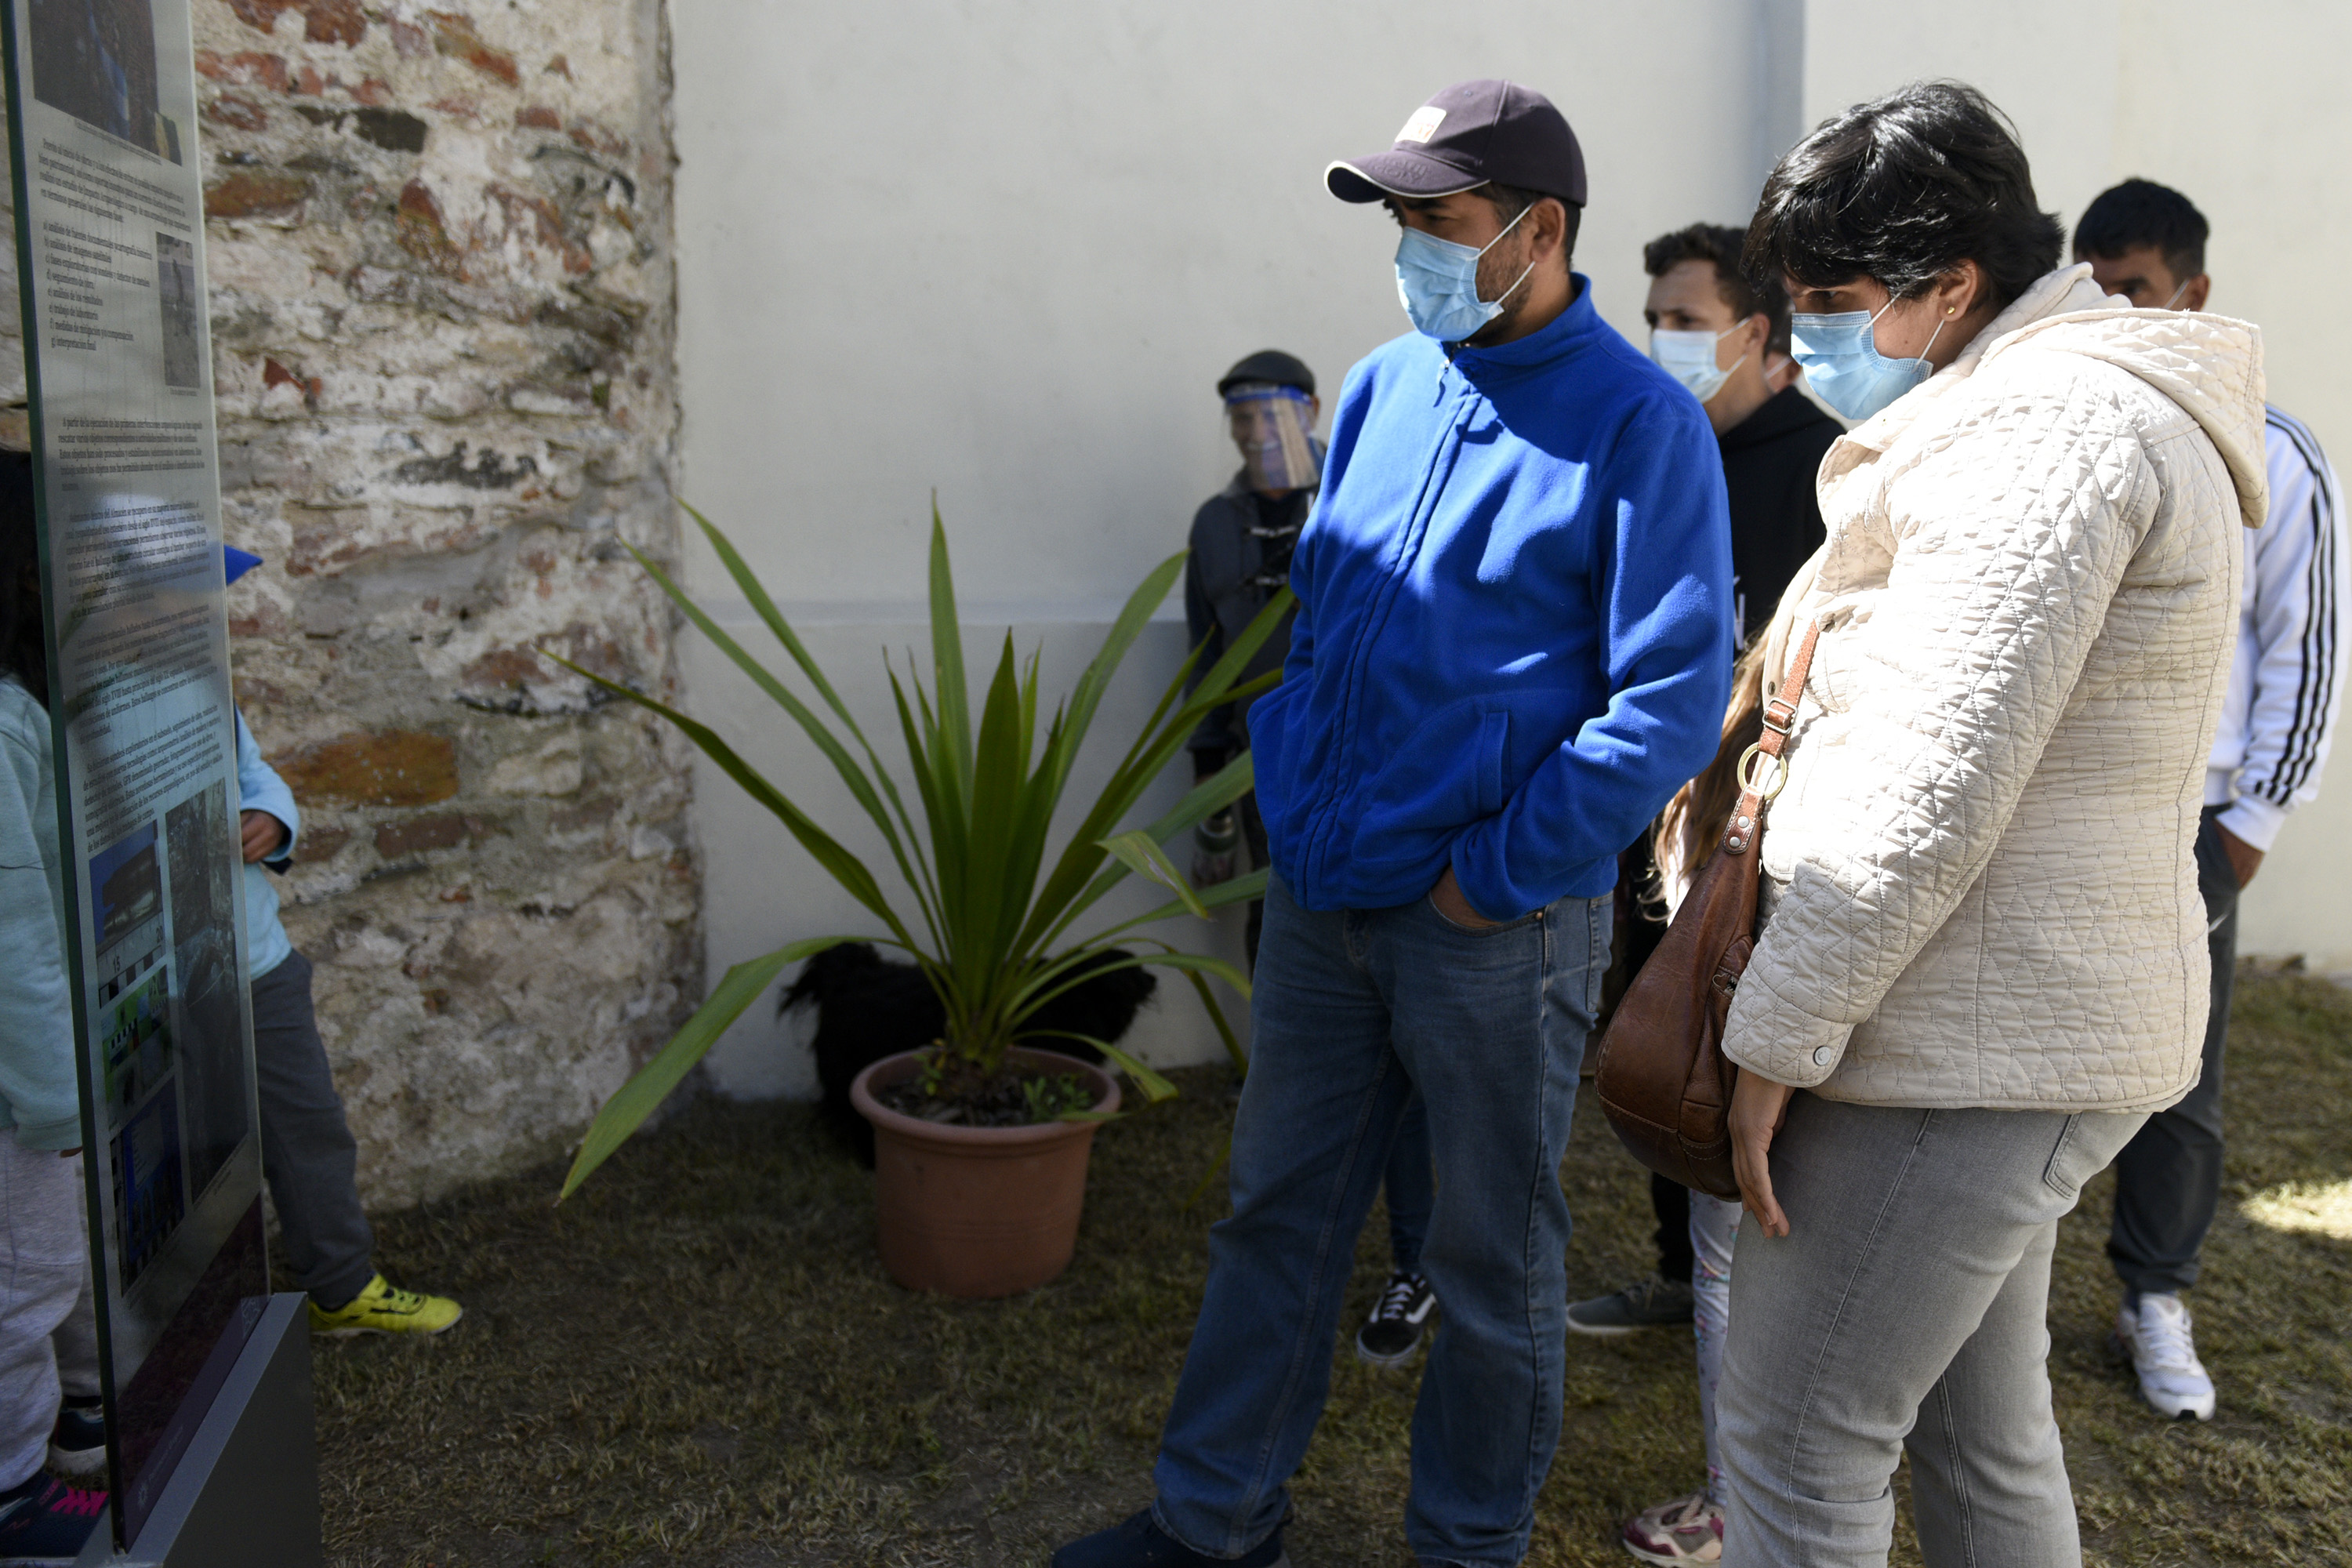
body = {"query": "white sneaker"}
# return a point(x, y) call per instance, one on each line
point(1688, 1530)
point(2171, 1378)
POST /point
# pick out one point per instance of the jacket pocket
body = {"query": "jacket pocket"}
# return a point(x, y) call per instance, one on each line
point(1494, 731)
point(1447, 774)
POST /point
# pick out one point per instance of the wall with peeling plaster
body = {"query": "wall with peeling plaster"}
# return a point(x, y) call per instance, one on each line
point(443, 352)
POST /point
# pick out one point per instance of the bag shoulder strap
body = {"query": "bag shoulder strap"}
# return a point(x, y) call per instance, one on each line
point(1780, 715)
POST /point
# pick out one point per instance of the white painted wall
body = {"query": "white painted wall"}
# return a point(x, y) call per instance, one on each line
point(2051, 65)
point(1003, 252)
point(1007, 251)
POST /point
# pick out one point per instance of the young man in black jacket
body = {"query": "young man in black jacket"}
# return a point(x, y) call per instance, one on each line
point(1713, 328)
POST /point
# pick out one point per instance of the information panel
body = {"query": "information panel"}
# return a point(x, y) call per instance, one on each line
point(110, 254)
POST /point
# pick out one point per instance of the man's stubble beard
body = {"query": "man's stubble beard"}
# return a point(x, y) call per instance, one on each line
point(1496, 273)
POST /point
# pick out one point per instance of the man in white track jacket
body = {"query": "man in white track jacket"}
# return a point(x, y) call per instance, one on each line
point(2147, 243)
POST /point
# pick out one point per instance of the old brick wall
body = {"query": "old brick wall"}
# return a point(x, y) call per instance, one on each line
point(442, 333)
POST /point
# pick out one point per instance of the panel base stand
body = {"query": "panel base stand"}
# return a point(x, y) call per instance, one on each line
point(247, 1491)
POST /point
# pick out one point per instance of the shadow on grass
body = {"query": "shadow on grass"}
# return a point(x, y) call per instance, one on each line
point(2268, 1480)
point(699, 1356)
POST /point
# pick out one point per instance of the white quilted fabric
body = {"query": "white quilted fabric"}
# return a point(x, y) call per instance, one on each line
point(1979, 881)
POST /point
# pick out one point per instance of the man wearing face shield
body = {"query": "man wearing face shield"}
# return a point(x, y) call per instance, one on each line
point(1513, 644)
point(1240, 546)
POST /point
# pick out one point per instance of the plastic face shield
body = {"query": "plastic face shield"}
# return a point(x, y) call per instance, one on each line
point(1270, 424)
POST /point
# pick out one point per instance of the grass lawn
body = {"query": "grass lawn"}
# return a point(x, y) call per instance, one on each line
point(698, 1357)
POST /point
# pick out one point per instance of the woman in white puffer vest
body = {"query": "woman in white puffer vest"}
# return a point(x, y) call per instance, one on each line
point(1982, 958)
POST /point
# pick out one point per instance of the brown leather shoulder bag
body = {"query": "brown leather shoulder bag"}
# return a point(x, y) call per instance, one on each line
point(1663, 1078)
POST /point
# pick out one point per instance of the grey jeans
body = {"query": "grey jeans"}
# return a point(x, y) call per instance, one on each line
point(307, 1151)
point(49, 1334)
point(1904, 1309)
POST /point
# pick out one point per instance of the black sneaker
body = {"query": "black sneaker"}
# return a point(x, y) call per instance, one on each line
point(77, 1443)
point(1654, 1304)
point(46, 1522)
point(1393, 1331)
point(1138, 1542)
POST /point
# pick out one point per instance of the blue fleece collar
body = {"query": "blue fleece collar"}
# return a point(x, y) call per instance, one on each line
point(1563, 335)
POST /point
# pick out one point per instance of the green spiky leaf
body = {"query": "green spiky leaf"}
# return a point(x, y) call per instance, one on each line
point(1140, 853)
point(971, 838)
point(642, 1094)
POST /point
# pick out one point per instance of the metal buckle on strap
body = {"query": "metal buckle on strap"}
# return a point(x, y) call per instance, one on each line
point(1779, 715)
point(1779, 775)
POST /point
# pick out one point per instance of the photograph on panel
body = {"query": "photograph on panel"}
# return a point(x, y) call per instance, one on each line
point(95, 60)
point(175, 294)
point(201, 840)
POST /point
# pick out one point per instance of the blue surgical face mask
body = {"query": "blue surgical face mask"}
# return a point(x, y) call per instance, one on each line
point(1689, 358)
point(1437, 281)
point(1843, 365)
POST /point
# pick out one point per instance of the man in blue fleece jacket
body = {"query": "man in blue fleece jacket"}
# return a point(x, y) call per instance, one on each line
point(1513, 644)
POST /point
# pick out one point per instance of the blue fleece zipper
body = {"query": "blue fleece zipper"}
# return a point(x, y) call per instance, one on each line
point(1438, 467)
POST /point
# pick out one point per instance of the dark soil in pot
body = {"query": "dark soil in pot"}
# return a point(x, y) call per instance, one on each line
point(868, 1007)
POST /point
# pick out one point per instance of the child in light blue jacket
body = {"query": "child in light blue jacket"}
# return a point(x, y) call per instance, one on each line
point(308, 1154)
point(48, 1344)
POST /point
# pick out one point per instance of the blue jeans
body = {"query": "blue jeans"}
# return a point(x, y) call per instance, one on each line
point(1353, 1012)
point(1411, 1187)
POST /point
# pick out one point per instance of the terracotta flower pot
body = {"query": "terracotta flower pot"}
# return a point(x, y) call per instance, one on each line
point(978, 1212)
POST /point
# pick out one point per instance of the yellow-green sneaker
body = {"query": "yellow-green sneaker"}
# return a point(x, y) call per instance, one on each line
point(386, 1309)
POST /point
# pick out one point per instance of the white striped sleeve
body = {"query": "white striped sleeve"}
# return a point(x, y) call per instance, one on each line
point(2299, 563)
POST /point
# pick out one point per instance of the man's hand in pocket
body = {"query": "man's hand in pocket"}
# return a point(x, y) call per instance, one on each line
point(1447, 897)
point(2244, 859)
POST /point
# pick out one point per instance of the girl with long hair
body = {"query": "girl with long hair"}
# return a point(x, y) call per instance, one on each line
point(1690, 1529)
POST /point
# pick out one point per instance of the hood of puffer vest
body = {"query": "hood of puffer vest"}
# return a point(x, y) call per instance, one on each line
point(2211, 365)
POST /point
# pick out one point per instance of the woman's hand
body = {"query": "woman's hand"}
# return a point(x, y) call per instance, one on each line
point(1759, 1106)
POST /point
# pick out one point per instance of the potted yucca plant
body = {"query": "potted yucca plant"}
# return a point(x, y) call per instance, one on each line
point(981, 1139)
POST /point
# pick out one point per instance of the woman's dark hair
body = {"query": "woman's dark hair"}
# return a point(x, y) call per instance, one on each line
point(1693, 822)
point(1903, 189)
point(22, 653)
